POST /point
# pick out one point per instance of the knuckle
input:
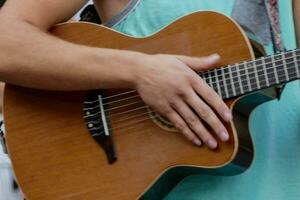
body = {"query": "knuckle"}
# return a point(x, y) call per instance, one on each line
point(205, 112)
point(165, 110)
point(216, 123)
point(212, 95)
point(180, 126)
point(192, 121)
point(174, 104)
point(181, 92)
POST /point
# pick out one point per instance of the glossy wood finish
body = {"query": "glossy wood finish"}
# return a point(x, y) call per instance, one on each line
point(53, 155)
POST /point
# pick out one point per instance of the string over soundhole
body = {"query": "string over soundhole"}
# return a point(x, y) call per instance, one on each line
point(98, 124)
point(161, 121)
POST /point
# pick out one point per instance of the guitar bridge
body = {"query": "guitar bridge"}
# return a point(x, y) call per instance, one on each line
point(97, 123)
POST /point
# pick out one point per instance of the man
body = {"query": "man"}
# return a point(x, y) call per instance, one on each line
point(28, 54)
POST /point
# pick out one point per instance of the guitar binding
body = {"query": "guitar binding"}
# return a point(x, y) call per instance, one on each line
point(98, 124)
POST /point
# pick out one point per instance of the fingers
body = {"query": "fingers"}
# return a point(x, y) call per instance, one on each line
point(194, 123)
point(207, 114)
point(211, 97)
point(201, 63)
point(180, 124)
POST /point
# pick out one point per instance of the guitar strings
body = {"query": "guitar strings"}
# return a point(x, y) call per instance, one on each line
point(127, 125)
point(155, 115)
point(132, 117)
point(219, 69)
point(140, 101)
point(259, 76)
point(119, 113)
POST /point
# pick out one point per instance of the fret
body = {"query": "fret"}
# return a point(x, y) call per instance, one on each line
point(247, 76)
point(280, 68)
point(285, 66)
point(261, 74)
point(252, 76)
point(239, 78)
point(296, 63)
point(209, 77)
point(244, 78)
point(214, 82)
point(231, 81)
point(291, 65)
point(270, 71)
point(274, 69)
point(225, 89)
point(236, 80)
point(228, 82)
point(218, 90)
point(263, 63)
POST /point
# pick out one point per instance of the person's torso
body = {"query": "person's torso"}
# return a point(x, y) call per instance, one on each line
point(140, 18)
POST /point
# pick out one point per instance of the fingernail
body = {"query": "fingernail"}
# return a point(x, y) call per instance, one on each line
point(197, 142)
point(213, 58)
point(212, 144)
point(224, 136)
point(228, 116)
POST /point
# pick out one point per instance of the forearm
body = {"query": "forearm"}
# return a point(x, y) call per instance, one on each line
point(297, 19)
point(32, 58)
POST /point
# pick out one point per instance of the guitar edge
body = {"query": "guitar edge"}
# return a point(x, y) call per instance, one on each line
point(54, 157)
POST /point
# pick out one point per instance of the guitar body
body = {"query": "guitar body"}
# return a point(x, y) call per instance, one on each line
point(55, 157)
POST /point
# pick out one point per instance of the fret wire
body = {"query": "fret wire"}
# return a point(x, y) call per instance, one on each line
point(264, 87)
point(251, 73)
point(256, 76)
point(285, 66)
point(225, 84)
point(279, 65)
point(270, 71)
point(217, 82)
point(261, 59)
point(260, 74)
point(210, 80)
point(247, 76)
point(275, 69)
point(265, 72)
point(239, 78)
point(231, 81)
point(273, 78)
point(244, 77)
point(235, 79)
point(296, 63)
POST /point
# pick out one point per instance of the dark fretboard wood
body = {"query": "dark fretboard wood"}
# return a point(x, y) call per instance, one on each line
point(242, 78)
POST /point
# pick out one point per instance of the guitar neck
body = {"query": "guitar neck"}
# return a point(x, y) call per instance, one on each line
point(242, 78)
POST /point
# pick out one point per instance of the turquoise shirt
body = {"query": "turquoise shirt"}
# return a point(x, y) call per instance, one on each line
point(274, 125)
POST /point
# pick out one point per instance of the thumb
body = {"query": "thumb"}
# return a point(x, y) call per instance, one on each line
point(201, 63)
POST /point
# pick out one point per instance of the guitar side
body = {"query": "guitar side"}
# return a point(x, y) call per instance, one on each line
point(53, 155)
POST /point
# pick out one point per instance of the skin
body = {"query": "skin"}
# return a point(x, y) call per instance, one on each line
point(28, 54)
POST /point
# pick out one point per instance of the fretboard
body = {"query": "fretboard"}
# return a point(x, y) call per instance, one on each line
point(242, 78)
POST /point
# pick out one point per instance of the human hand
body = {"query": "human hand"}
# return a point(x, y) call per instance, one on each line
point(170, 85)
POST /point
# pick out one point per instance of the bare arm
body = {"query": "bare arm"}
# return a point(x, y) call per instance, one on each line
point(33, 58)
point(297, 19)
point(28, 53)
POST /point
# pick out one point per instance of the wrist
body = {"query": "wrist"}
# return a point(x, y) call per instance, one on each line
point(138, 67)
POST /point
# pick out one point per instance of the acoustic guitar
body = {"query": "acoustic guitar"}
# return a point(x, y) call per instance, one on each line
point(107, 144)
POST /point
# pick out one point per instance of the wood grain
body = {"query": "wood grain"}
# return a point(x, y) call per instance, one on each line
point(53, 155)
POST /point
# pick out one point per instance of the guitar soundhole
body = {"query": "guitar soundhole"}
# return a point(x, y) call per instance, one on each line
point(161, 121)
